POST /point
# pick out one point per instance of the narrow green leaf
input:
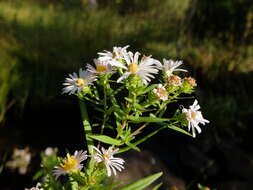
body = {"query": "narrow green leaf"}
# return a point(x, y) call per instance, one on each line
point(151, 87)
point(106, 187)
point(118, 90)
point(86, 125)
point(141, 140)
point(179, 130)
point(106, 139)
point(139, 107)
point(157, 186)
point(129, 99)
point(132, 146)
point(38, 175)
point(142, 183)
point(99, 109)
point(74, 185)
point(147, 119)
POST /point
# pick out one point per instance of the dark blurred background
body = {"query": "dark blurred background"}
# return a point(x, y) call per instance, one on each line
point(41, 41)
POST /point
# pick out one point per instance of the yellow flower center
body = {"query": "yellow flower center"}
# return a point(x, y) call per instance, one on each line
point(80, 82)
point(133, 67)
point(193, 115)
point(101, 68)
point(69, 163)
point(106, 156)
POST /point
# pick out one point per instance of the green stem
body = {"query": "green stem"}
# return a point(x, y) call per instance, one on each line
point(86, 125)
point(105, 108)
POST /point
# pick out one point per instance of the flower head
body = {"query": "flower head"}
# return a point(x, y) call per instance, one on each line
point(161, 92)
point(101, 67)
point(191, 81)
point(144, 68)
point(169, 66)
point(76, 83)
point(114, 57)
point(174, 80)
point(194, 117)
point(49, 151)
point(70, 163)
point(20, 160)
point(112, 164)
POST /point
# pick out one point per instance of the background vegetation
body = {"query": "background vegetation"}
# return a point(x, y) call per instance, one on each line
point(41, 41)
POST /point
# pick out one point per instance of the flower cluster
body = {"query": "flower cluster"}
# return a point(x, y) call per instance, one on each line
point(72, 163)
point(129, 65)
point(108, 62)
point(129, 91)
point(20, 160)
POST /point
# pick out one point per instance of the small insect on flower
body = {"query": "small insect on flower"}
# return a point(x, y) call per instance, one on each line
point(101, 67)
point(115, 57)
point(112, 164)
point(169, 66)
point(76, 83)
point(161, 92)
point(144, 68)
point(70, 164)
point(194, 117)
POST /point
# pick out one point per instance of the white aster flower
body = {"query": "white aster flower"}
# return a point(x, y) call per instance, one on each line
point(101, 67)
point(76, 83)
point(36, 188)
point(70, 163)
point(144, 69)
point(115, 57)
point(20, 160)
point(161, 92)
point(112, 164)
point(169, 66)
point(194, 117)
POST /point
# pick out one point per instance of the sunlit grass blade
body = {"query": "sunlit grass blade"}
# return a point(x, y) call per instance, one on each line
point(142, 183)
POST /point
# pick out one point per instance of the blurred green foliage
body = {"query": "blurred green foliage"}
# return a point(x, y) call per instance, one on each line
point(42, 41)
